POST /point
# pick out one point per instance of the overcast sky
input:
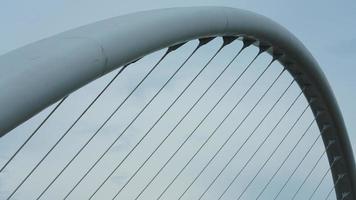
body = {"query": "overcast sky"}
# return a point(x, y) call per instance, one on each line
point(327, 29)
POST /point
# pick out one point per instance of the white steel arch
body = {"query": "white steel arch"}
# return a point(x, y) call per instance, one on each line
point(39, 74)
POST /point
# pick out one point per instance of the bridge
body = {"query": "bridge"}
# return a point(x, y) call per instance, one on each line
point(195, 103)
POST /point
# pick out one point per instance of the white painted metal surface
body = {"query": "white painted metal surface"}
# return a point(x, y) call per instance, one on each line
point(37, 75)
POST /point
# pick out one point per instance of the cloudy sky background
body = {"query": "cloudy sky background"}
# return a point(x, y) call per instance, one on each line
point(325, 27)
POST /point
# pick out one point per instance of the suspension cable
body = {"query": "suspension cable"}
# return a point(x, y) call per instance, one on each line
point(33, 133)
point(174, 128)
point(270, 180)
point(238, 150)
point(226, 41)
point(280, 166)
point(98, 130)
point(244, 167)
point(310, 172)
point(286, 182)
point(231, 135)
point(215, 130)
point(299, 164)
point(261, 144)
point(129, 125)
point(334, 185)
point(226, 92)
point(321, 181)
point(199, 124)
point(67, 131)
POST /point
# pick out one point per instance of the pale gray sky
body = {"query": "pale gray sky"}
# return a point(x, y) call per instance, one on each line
point(327, 28)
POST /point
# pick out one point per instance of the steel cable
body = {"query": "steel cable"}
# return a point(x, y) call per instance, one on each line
point(215, 130)
point(156, 122)
point(284, 137)
point(297, 167)
point(97, 131)
point(231, 135)
point(181, 118)
point(66, 132)
point(308, 175)
point(334, 185)
point(33, 133)
point(321, 181)
point(171, 157)
point(280, 166)
point(128, 126)
point(238, 150)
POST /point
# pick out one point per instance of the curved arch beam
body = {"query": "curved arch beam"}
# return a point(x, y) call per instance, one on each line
point(37, 75)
